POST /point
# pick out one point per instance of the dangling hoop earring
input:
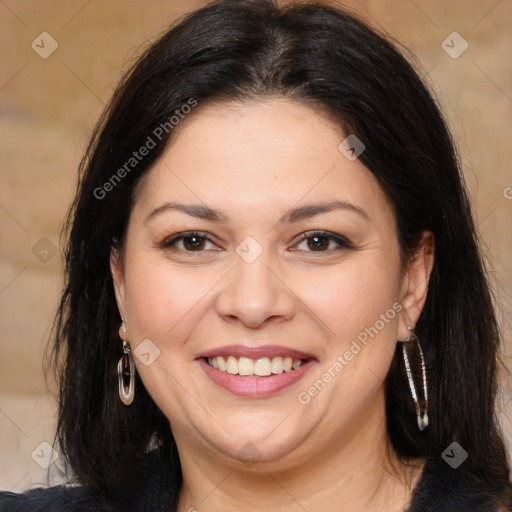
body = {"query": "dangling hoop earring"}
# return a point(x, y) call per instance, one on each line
point(412, 349)
point(126, 368)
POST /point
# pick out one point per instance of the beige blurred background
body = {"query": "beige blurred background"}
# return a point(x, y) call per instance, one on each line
point(48, 107)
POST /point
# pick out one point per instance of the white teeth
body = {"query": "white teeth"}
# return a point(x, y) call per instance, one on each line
point(297, 363)
point(245, 366)
point(277, 365)
point(262, 367)
point(232, 365)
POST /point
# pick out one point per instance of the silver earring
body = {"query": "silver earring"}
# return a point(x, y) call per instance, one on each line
point(126, 368)
point(411, 350)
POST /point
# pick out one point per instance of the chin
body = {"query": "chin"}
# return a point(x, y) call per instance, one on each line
point(258, 452)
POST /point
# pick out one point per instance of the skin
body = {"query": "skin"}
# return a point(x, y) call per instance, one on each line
point(254, 162)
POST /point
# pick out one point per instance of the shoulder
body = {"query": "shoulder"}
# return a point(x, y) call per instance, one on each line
point(156, 489)
point(443, 489)
point(58, 498)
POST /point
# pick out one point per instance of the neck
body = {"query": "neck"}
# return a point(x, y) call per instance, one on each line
point(357, 471)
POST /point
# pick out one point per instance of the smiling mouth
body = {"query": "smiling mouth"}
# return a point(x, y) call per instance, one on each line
point(260, 367)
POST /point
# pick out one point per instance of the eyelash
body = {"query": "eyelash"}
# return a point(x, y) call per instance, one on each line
point(342, 242)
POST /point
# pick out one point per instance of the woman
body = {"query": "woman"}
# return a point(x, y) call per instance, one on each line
point(275, 297)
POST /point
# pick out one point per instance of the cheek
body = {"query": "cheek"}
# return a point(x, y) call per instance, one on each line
point(359, 306)
point(163, 302)
point(351, 298)
point(358, 303)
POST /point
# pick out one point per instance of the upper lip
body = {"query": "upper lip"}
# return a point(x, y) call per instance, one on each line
point(256, 352)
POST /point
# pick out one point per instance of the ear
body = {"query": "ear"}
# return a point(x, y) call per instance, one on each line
point(116, 268)
point(414, 286)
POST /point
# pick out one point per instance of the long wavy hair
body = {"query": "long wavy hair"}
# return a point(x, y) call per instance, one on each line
point(319, 55)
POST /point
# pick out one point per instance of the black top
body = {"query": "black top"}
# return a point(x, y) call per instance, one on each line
point(440, 489)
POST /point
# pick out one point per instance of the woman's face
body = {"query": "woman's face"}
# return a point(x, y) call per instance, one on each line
point(293, 261)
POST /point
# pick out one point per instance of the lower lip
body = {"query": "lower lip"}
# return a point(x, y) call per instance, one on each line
point(255, 387)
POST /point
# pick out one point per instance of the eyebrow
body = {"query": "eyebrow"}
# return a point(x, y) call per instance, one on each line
point(310, 210)
point(292, 216)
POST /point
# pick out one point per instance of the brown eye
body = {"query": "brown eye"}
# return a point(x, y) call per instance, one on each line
point(187, 242)
point(322, 242)
point(318, 243)
point(194, 243)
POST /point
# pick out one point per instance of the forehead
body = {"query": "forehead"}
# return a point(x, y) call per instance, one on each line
point(258, 155)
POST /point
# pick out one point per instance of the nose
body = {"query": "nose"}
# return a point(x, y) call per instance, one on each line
point(255, 294)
